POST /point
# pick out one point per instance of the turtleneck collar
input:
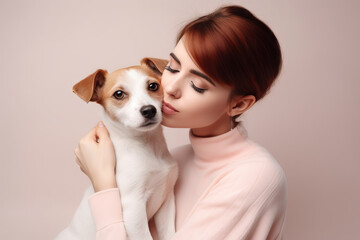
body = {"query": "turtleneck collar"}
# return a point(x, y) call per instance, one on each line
point(218, 147)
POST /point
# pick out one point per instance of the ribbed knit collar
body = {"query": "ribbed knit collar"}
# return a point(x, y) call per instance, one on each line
point(218, 147)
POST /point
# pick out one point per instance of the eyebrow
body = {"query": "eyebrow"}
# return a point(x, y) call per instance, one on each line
point(193, 71)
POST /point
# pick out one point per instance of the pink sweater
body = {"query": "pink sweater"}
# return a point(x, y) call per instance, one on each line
point(229, 187)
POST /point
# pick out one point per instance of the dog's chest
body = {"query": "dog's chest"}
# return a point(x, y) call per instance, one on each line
point(142, 168)
point(139, 157)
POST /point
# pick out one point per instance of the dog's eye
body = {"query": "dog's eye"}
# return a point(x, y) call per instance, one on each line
point(119, 94)
point(153, 86)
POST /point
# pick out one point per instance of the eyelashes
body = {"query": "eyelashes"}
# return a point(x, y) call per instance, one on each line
point(170, 69)
point(199, 90)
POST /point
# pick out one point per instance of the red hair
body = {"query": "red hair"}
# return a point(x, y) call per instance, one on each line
point(235, 48)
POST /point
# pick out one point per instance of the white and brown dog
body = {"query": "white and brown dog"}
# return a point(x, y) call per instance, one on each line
point(145, 171)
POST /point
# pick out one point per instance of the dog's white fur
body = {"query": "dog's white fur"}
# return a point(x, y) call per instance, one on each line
point(145, 170)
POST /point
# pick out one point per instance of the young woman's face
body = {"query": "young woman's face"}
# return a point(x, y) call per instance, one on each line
point(199, 102)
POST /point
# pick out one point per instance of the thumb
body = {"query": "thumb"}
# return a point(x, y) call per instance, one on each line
point(101, 131)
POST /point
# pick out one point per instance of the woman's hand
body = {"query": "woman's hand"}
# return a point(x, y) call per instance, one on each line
point(95, 155)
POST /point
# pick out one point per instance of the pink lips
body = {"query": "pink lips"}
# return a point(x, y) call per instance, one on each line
point(168, 109)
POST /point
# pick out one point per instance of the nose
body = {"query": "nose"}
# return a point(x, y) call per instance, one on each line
point(148, 111)
point(174, 93)
point(172, 86)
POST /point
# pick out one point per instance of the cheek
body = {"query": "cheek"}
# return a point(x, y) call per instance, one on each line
point(202, 110)
point(113, 106)
point(207, 107)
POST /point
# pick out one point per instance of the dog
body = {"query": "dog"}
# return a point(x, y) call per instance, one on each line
point(146, 173)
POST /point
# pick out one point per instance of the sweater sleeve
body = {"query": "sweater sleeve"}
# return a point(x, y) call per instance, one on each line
point(233, 210)
point(106, 210)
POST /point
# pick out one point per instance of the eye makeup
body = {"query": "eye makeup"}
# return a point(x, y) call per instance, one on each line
point(199, 90)
point(170, 69)
point(193, 71)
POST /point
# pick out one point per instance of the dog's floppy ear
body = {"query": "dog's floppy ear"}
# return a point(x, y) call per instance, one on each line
point(88, 89)
point(157, 65)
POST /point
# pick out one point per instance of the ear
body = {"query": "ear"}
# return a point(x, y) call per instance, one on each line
point(156, 65)
point(88, 89)
point(240, 104)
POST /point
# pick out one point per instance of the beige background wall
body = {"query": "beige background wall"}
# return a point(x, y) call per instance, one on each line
point(309, 121)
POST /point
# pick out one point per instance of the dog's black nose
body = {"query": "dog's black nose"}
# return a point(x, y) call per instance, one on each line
point(148, 111)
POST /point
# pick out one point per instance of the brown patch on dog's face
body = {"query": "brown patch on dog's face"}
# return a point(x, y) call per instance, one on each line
point(158, 94)
point(154, 67)
point(114, 95)
point(156, 79)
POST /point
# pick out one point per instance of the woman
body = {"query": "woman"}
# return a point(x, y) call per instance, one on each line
point(229, 187)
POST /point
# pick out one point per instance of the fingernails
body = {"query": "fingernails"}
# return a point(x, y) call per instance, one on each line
point(100, 124)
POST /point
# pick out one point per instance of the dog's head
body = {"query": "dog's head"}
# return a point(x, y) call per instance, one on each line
point(130, 96)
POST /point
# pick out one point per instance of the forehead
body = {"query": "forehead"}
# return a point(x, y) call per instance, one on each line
point(184, 56)
point(132, 76)
point(128, 77)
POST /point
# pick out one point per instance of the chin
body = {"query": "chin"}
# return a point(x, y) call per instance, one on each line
point(148, 126)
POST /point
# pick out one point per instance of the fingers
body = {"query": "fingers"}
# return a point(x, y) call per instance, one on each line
point(80, 165)
point(83, 170)
point(102, 132)
point(76, 157)
point(97, 133)
point(77, 151)
point(91, 135)
point(77, 160)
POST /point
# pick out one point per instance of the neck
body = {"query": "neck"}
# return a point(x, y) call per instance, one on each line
point(223, 146)
point(222, 125)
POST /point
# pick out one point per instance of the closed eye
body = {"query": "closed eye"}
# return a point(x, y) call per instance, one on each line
point(170, 69)
point(200, 90)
